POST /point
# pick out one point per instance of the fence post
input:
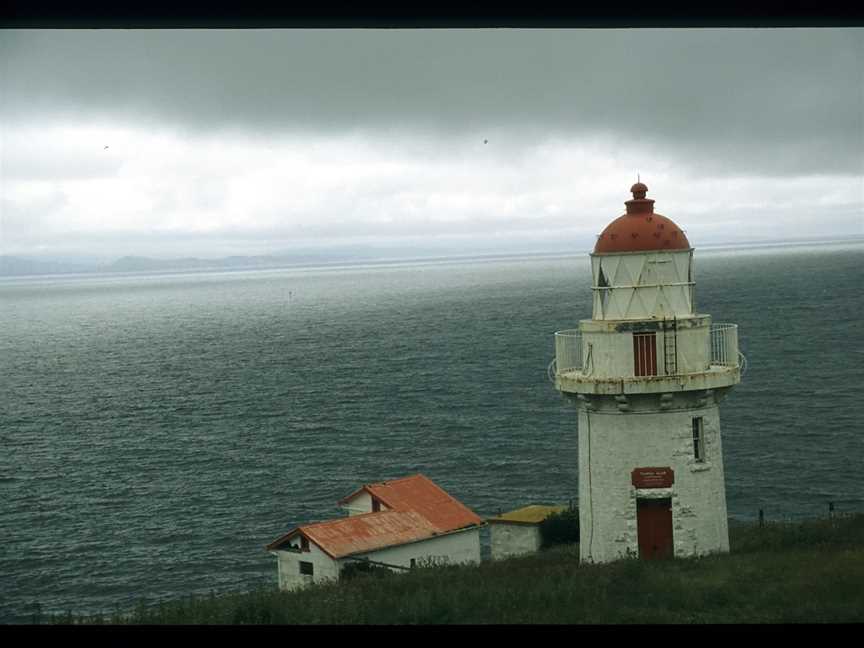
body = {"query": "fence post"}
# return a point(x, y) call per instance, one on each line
point(761, 518)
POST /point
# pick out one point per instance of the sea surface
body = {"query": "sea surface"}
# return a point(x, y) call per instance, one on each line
point(157, 431)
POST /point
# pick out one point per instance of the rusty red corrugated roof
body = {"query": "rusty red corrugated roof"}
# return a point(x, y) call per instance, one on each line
point(419, 509)
point(419, 493)
point(368, 532)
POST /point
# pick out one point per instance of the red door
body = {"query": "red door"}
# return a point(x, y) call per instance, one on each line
point(654, 524)
point(645, 354)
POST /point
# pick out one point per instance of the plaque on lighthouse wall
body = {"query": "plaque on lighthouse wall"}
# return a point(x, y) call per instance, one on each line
point(652, 477)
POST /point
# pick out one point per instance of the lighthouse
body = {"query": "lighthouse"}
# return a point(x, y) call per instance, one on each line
point(647, 374)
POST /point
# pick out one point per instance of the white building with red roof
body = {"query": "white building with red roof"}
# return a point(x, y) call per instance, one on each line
point(396, 524)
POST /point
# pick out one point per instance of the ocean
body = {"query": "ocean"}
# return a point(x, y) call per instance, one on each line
point(157, 431)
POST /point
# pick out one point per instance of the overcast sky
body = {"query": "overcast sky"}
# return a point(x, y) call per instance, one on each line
point(259, 141)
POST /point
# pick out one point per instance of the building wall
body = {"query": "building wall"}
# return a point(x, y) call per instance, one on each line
point(607, 346)
point(452, 548)
point(288, 566)
point(358, 505)
point(361, 503)
point(613, 443)
point(513, 539)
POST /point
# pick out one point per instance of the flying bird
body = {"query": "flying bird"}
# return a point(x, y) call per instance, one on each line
point(106, 146)
point(485, 141)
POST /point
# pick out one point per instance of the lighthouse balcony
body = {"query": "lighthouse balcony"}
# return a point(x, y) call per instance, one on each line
point(699, 358)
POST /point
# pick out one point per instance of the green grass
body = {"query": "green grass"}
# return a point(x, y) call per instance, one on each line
point(781, 573)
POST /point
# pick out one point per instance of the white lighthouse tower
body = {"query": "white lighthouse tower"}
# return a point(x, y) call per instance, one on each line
point(647, 373)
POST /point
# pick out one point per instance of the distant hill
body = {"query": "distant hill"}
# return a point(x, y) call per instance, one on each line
point(11, 266)
point(147, 264)
point(20, 266)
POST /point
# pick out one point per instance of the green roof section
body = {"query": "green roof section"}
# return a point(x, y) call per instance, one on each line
point(531, 514)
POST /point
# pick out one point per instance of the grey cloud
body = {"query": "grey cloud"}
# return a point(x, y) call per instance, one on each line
point(776, 101)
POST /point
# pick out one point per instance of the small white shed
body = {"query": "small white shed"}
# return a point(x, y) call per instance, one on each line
point(518, 532)
point(397, 524)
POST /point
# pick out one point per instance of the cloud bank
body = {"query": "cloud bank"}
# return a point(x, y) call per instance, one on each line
point(254, 141)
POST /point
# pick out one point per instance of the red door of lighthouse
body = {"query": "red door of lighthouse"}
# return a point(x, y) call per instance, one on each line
point(654, 524)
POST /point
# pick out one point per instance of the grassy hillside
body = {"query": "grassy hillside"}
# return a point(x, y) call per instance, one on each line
point(781, 573)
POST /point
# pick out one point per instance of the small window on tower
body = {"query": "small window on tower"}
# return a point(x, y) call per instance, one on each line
point(698, 439)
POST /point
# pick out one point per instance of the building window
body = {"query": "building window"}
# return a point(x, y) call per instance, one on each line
point(304, 543)
point(413, 563)
point(698, 439)
point(645, 353)
point(376, 505)
point(307, 568)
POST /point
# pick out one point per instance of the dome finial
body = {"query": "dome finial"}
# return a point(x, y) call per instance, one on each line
point(638, 190)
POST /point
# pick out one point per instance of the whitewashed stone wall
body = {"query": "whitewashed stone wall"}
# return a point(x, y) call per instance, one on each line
point(461, 547)
point(613, 443)
point(288, 564)
point(607, 346)
point(513, 539)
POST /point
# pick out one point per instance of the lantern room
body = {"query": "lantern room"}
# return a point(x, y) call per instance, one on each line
point(642, 265)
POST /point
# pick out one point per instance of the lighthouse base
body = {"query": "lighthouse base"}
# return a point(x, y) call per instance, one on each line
point(651, 484)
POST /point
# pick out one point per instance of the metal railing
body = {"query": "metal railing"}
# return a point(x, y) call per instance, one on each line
point(568, 351)
point(724, 345)
point(723, 340)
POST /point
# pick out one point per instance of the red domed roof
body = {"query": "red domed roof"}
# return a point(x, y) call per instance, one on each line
point(641, 229)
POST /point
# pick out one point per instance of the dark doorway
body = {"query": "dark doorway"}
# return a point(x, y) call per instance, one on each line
point(654, 523)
